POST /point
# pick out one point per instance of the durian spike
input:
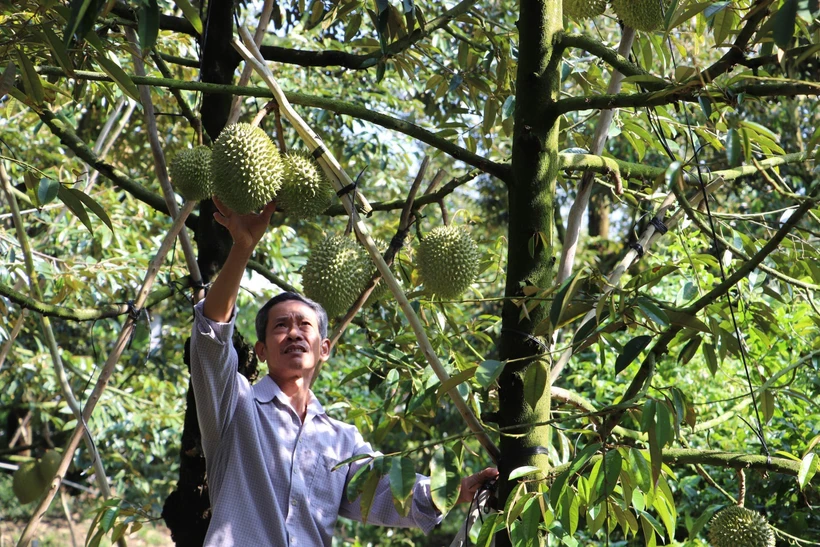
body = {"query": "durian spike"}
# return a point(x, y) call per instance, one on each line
point(340, 179)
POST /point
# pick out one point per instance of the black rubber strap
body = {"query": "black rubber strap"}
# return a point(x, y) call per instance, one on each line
point(317, 153)
point(534, 451)
point(528, 336)
point(638, 247)
point(347, 189)
point(659, 225)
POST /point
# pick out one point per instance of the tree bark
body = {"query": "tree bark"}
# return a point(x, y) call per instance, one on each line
point(524, 394)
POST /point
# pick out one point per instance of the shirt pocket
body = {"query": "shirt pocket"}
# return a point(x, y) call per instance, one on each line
point(328, 488)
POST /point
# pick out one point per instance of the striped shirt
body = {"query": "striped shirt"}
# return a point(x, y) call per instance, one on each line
point(270, 476)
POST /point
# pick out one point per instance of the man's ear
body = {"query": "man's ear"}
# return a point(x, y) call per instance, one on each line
point(261, 351)
point(324, 350)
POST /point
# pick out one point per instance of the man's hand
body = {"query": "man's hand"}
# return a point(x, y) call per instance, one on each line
point(246, 230)
point(471, 484)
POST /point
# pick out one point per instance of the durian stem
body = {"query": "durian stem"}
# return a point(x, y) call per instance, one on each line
point(340, 179)
point(741, 479)
point(105, 374)
point(245, 77)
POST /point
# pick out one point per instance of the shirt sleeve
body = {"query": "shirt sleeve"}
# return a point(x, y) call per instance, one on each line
point(423, 513)
point(214, 377)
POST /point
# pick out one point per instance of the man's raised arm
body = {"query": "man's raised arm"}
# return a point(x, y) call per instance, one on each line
point(246, 231)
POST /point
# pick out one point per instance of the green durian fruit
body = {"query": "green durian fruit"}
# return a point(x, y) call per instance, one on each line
point(336, 273)
point(740, 527)
point(27, 484)
point(448, 261)
point(305, 191)
point(246, 169)
point(47, 467)
point(190, 172)
point(584, 9)
point(646, 15)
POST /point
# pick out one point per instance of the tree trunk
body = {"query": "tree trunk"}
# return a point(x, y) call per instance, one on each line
point(524, 394)
point(599, 212)
point(187, 511)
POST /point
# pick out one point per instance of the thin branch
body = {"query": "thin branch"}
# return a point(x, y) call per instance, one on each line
point(265, 272)
point(189, 115)
point(584, 188)
point(695, 217)
point(105, 375)
point(325, 58)
point(405, 221)
point(245, 77)
point(160, 166)
point(78, 314)
point(69, 138)
point(502, 171)
point(615, 59)
point(51, 341)
point(685, 92)
point(644, 374)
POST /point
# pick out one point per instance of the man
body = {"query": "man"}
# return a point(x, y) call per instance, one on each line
point(270, 448)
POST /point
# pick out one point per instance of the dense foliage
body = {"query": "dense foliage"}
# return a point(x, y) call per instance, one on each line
point(688, 384)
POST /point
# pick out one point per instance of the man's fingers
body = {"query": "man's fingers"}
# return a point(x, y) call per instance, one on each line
point(221, 219)
point(223, 209)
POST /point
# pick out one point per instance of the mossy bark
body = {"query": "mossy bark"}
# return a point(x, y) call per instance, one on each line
point(524, 395)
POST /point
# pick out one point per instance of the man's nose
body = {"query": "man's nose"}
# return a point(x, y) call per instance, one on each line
point(294, 332)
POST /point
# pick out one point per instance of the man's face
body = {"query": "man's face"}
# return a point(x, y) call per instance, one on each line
point(293, 346)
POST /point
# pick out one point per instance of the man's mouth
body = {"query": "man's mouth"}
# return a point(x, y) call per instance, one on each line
point(296, 349)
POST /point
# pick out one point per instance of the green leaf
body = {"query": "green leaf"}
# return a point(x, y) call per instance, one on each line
point(519, 472)
point(368, 493)
point(402, 478)
point(485, 531)
point(7, 80)
point(95, 207)
point(808, 468)
point(689, 350)
point(81, 20)
point(607, 477)
point(711, 358)
point(631, 351)
point(488, 371)
point(648, 414)
point(31, 80)
point(47, 191)
point(674, 173)
point(454, 381)
point(445, 479)
point(578, 462)
point(190, 13)
point(75, 205)
point(784, 21)
point(116, 73)
point(653, 312)
point(148, 24)
point(107, 520)
point(705, 105)
point(766, 402)
point(119, 532)
point(640, 470)
point(734, 149)
point(58, 49)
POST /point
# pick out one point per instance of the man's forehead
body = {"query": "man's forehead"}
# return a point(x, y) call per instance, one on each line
point(292, 308)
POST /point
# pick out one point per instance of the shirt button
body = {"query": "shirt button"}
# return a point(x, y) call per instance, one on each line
point(294, 503)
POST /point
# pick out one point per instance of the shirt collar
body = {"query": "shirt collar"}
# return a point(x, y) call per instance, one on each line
point(266, 390)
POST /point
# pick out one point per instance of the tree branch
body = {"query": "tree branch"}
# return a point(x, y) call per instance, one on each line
point(79, 314)
point(270, 276)
point(502, 171)
point(686, 92)
point(69, 138)
point(647, 368)
point(602, 51)
point(324, 58)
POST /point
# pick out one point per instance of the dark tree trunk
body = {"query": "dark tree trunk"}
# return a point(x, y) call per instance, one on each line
point(187, 511)
point(524, 394)
point(599, 212)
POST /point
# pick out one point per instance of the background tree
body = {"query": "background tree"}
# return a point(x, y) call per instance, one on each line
point(627, 378)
